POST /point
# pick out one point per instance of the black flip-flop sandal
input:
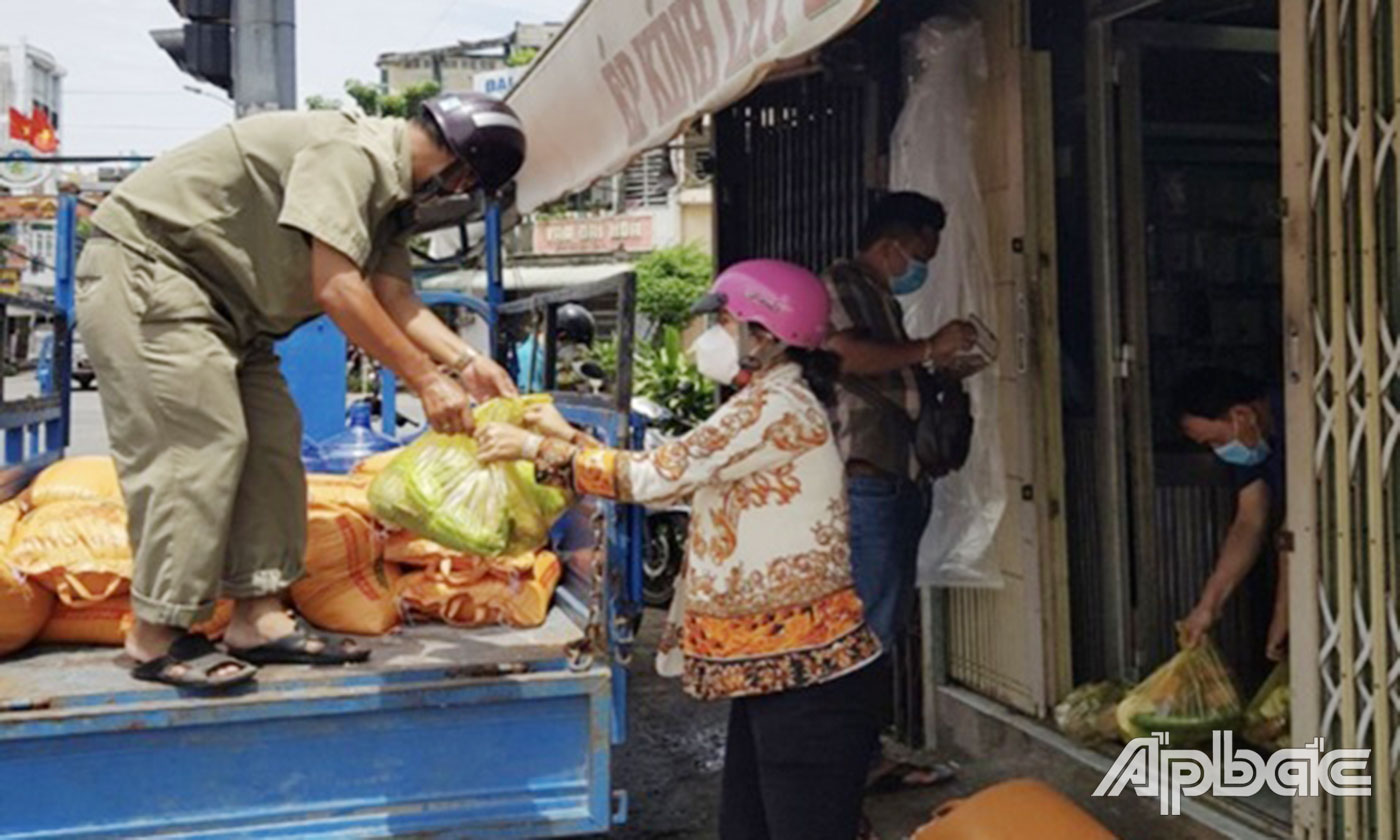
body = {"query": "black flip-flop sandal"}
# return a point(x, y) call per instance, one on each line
point(295, 649)
point(191, 662)
point(900, 776)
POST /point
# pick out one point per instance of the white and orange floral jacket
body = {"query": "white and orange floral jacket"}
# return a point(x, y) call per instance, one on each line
point(767, 602)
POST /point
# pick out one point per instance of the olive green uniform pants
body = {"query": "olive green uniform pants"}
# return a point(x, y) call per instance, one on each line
point(205, 434)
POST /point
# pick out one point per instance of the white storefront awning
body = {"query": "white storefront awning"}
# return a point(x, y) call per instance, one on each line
point(526, 278)
point(625, 75)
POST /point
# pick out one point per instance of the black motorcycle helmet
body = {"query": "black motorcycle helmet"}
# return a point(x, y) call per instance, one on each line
point(484, 132)
point(574, 323)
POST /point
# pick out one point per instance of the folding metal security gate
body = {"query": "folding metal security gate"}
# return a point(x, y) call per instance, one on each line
point(791, 160)
point(1341, 112)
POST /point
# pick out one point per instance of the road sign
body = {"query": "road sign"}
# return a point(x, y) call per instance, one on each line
point(9, 281)
point(496, 83)
point(28, 208)
point(18, 167)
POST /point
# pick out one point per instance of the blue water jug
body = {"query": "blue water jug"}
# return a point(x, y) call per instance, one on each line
point(311, 455)
point(340, 452)
point(43, 370)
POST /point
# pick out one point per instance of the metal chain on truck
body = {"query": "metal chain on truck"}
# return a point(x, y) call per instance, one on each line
point(582, 656)
point(623, 634)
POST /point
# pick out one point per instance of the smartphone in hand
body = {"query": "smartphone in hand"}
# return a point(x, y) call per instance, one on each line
point(982, 353)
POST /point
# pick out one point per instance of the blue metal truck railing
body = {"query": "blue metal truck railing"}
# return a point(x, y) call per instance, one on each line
point(36, 428)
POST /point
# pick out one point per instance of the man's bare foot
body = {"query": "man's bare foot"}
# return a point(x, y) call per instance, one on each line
point(257, 621)
point(265, 633)
point(146, 642)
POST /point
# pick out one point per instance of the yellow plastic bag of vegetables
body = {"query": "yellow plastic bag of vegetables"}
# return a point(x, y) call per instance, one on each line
point(1267, 722)
point(439, 490)
point(1087, 713)
point(1190, 696)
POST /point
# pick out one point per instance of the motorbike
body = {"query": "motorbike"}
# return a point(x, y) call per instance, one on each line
point(666, 527)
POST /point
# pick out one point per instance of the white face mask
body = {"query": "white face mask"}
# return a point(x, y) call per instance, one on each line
point(716, 354)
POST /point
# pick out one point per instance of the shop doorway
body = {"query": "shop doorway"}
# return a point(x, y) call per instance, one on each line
point(1179, 266)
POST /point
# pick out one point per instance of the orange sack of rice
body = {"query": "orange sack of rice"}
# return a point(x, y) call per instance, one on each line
point(347, 588)
point(77, 550)
point(375, 464)
point(408, 549)
point(87, 478)
point(107, 623)
point(24, 608)
point(349, 491)
point(516, 593)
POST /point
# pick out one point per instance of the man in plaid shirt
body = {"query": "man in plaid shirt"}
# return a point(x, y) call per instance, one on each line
point(877, 398)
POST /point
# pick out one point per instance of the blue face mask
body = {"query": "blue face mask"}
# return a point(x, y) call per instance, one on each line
point(912, 278)
point(1239, 455)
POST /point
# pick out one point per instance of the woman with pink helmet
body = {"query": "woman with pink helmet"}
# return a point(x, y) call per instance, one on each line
point(766, 613)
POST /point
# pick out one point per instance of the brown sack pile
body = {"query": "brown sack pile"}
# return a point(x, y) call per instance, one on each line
point(347, 587)
point(514, 592)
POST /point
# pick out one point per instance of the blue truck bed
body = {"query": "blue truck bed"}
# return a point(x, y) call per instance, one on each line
point(482, 733)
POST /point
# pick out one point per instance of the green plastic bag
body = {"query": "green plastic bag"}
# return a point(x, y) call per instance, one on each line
point(1267, 720)
point(1087, 713)
point(507, 409)
point(438, 489)
point(1190, 696)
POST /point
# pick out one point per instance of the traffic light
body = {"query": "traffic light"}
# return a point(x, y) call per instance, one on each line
point(203, 46)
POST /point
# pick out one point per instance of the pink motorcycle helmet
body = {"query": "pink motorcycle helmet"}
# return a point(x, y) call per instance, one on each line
point(787, 300)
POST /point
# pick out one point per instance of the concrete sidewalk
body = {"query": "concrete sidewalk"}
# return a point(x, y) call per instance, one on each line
point(671, 763)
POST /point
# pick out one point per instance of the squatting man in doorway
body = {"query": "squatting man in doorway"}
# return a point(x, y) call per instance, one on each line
point(1241, 420)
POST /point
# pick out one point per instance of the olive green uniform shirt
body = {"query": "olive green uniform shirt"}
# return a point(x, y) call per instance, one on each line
point(236, 209)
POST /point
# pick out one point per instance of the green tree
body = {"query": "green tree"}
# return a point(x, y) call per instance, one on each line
point(669, 280)
point(522, 56)
point(366, 95)
point(379, 103)
point(317, 102)
point(666, 374)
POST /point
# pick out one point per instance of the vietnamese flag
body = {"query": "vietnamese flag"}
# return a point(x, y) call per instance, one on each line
point(21, 127)
point(44, 138)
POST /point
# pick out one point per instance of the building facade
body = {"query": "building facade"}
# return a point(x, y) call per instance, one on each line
point(661, 199)
point(31, 85)
point(457, 67)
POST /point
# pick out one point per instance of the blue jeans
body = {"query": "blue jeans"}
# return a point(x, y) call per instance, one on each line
point(888, 516)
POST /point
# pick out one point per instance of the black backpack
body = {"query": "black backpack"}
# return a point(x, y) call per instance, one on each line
point(942, 436)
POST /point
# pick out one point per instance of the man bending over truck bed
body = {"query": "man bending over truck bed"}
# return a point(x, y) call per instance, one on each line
point(197, 263)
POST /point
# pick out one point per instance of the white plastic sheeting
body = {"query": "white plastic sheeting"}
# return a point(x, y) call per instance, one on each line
point(625, 75)
point(932, 153)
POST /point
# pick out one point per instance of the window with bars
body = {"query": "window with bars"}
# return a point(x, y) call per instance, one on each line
point(647, 181)
point(42, 247)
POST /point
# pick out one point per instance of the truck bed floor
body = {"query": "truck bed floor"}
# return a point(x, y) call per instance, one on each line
point(51, 678)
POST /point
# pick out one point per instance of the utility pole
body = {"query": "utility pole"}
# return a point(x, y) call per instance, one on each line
point(264, 56)
point(245, 47)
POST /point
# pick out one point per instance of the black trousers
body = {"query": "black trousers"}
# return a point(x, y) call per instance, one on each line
point(795, 762)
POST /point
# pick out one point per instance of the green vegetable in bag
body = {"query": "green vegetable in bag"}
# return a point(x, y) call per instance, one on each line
point(438, 489)
point(1087, 713)
point(1190, 696)
point(507, 409)
point(1267, 720)
point(552, 500)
